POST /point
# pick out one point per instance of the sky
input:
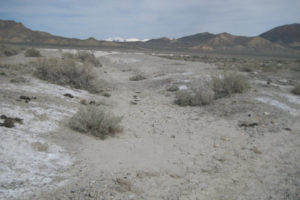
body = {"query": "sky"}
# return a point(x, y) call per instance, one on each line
point(143, 19)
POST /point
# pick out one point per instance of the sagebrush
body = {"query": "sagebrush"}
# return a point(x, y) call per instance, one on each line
point(67, 72)
point(228, 84)
point(86, 57)
point(96, 121)
point(199, 96)
point(32, 53)
point(9, 50)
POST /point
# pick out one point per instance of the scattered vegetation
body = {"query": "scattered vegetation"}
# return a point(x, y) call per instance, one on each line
point(244, 64)
point(296, 90)
point(67, 72)
point(228, 84)
point(195, 97)
point(32, 53)
point(96, 121)
point(137, 78)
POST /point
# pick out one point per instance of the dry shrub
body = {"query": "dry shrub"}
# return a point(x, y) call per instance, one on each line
point(32, 53)
point(203, 95)
point(137, 78)
point(86, 57)
point(9, 50)
point(229, 84)
point(67, 72)
point(173, 88)
point(296, 90)
point(96, 121)
point(68, 55)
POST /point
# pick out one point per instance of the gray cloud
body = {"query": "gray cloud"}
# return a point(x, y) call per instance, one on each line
point(150, 18)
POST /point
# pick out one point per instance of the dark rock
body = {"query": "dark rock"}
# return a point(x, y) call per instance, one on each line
point(3, 117)
point(26, 98)
point(69, 95)
point(9, 122)
point(248, 124)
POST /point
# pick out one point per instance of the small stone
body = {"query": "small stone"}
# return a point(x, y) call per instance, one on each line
point(203, 186)
point(92, 194)
point(255, 150)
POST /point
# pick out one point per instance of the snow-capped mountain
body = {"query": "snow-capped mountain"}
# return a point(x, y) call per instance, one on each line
point(119, 39)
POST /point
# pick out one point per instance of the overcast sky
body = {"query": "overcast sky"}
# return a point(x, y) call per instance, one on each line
point(150, 18)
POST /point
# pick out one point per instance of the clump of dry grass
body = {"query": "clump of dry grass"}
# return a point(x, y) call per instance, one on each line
point(296, 90)
point(32, 53)
point(67, 72)
point(96, 121)
point(138, 77)
point(228, 84)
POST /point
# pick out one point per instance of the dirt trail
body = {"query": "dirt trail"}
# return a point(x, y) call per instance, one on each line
point(171, 152)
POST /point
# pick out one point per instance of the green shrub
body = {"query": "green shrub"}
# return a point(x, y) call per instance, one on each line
point(137, 78)
point(66, 72)
point(296, 90)
point(32, 53)
point(96, 121)
point(86, 57)
point(229, 84)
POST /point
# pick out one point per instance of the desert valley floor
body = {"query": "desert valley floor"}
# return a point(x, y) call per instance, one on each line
point(242, 147)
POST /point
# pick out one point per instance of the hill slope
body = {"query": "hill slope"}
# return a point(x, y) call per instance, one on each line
point(13, 32)
point(288, 35)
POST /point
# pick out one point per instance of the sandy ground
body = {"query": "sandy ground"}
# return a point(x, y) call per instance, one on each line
point(164, 151)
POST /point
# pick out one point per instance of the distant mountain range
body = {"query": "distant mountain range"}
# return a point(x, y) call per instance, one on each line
point(283, 39)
